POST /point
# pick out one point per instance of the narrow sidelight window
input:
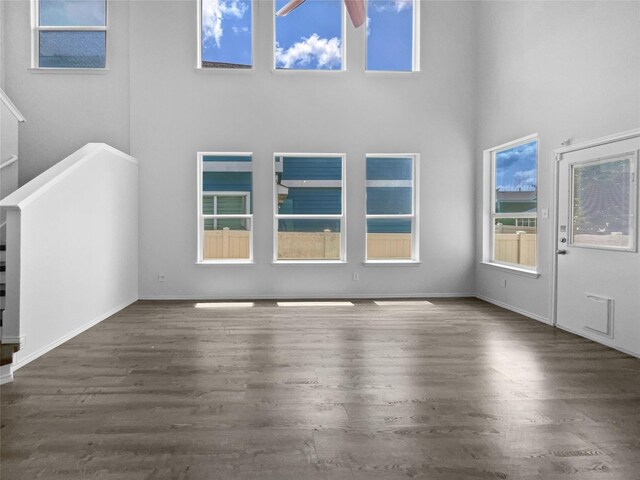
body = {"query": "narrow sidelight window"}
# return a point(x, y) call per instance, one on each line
point(392, 220)
point(225, 34)
point(310, 37)
point(514, 203)
point(393, 35)
point(225, 211)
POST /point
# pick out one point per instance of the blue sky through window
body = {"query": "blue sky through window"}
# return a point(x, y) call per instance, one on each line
point(516, 168)
point(390, 35)
point(310, 37)
point(226, 32)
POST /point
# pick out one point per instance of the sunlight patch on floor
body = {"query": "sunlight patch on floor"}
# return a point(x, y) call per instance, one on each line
point(225, 305)
point(315, 304)
point(391, 303)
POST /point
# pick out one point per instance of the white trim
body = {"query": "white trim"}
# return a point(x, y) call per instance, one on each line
point(38, 353)
point(227, 166)
point(391, 263)
point(10, 161)
point(313, 71)
point(415, 42)
point(312, 183)
point(559, 152)
point(600, 339)
point(36, 187)
point(199, 67)
point(308, 262)
point(511, 269)
point(514, 309)
point(306, 296)
point(6, 374)
point(11, 107)
point(389, 183)
point(73, 71)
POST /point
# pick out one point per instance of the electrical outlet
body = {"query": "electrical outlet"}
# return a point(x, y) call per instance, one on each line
point(162, 277)
point(356, 276)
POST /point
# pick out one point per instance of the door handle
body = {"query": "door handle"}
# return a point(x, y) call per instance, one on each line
point(561, 252)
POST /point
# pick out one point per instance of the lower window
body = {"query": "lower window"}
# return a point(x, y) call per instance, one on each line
point(225, 208)
point(309, 207)
point(392, 222)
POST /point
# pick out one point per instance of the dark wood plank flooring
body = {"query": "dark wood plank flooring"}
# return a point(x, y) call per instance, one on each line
point(459, 389)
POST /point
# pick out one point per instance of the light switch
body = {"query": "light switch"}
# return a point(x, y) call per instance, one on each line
point(545, 213)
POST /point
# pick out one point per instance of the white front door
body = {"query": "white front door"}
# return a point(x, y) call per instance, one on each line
point(598, 264)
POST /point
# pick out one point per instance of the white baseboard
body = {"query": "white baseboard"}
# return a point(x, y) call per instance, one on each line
point(6, 374)
point(602, 341)
point(31, 357)
point(299, 297)
point(516, 310)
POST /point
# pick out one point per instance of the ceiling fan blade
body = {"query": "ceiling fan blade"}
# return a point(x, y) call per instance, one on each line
point(289, 7)
point(356, 11)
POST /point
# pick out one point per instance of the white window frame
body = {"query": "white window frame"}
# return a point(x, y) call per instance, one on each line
point(343, 48)
point(633, 201)
point(490, 215)
point(414, 215)
point(199, 66)
point(415, 61)
point(202, 217)
point(36, 28)
point(341, 217)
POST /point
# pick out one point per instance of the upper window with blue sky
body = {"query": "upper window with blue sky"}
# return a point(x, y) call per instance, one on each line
point(311, 37)
point(391, 35)
point(226, 34)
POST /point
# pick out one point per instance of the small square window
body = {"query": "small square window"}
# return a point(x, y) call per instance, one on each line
point(310, 37)
point(70, 34)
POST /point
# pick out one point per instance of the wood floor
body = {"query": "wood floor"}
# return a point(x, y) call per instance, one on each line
point(456, 389)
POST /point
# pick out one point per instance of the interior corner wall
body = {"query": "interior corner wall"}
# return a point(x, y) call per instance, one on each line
point(65, 111)
point(562, 70)
point(177, 111)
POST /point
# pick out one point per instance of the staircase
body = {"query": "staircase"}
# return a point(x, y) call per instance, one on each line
point(10, 117)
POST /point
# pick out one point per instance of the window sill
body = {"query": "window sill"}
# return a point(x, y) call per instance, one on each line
point(509, 269)
point(72, 71)
point(391, 73)
point(392, 263)
point(293, 71)
point(309, 262)
point(225, 262)
point(225, 70)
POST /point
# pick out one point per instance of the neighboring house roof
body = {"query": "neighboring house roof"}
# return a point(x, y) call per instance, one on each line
point(517, 196)
point(11, 107)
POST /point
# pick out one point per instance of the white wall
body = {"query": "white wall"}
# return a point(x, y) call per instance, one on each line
point(563, 70)
point(177, 111)
point(66, 110)
point(77, 254)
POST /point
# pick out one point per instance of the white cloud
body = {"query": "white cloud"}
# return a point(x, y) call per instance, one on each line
point(326, 52)
point(237, 29)
point(368, 26)
point(214, 11)
point(402, 4)
point(392, 5)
